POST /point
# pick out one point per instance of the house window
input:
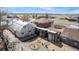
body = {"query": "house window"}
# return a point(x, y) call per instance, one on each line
point(29, 31)
point(24, 26)
point(75, 43)
point(22, 33)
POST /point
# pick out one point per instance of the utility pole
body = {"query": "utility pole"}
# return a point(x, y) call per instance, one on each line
point(78, 20)
point(46, 16)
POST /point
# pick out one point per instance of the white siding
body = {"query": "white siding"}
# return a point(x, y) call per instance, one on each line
point(22, 28)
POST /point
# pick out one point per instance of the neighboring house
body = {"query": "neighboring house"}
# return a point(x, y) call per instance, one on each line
point(70, 35)
point(44, 22)
point(74, 18)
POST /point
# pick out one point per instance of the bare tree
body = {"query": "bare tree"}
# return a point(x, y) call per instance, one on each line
point(46, 16)
point(2, 12)
point(25, 17)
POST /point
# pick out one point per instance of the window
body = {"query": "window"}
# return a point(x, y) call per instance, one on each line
point(33, 29)
point(75, 43)
point(22, 33)
point(24, 26)
point(29, 31)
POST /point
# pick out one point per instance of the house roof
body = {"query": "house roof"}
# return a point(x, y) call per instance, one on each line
point(43, 20)
point(71, 33)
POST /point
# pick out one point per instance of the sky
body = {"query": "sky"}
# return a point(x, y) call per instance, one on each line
point(56, 10)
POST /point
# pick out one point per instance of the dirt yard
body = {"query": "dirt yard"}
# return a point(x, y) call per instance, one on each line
point(45, 46)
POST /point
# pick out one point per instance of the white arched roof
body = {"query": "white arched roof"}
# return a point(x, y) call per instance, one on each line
point(17, 25)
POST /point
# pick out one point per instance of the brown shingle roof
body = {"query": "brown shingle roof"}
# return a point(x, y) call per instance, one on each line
point(71, 33)
point(43, 22)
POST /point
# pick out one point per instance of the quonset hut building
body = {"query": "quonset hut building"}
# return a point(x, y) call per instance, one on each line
point(22, 29)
